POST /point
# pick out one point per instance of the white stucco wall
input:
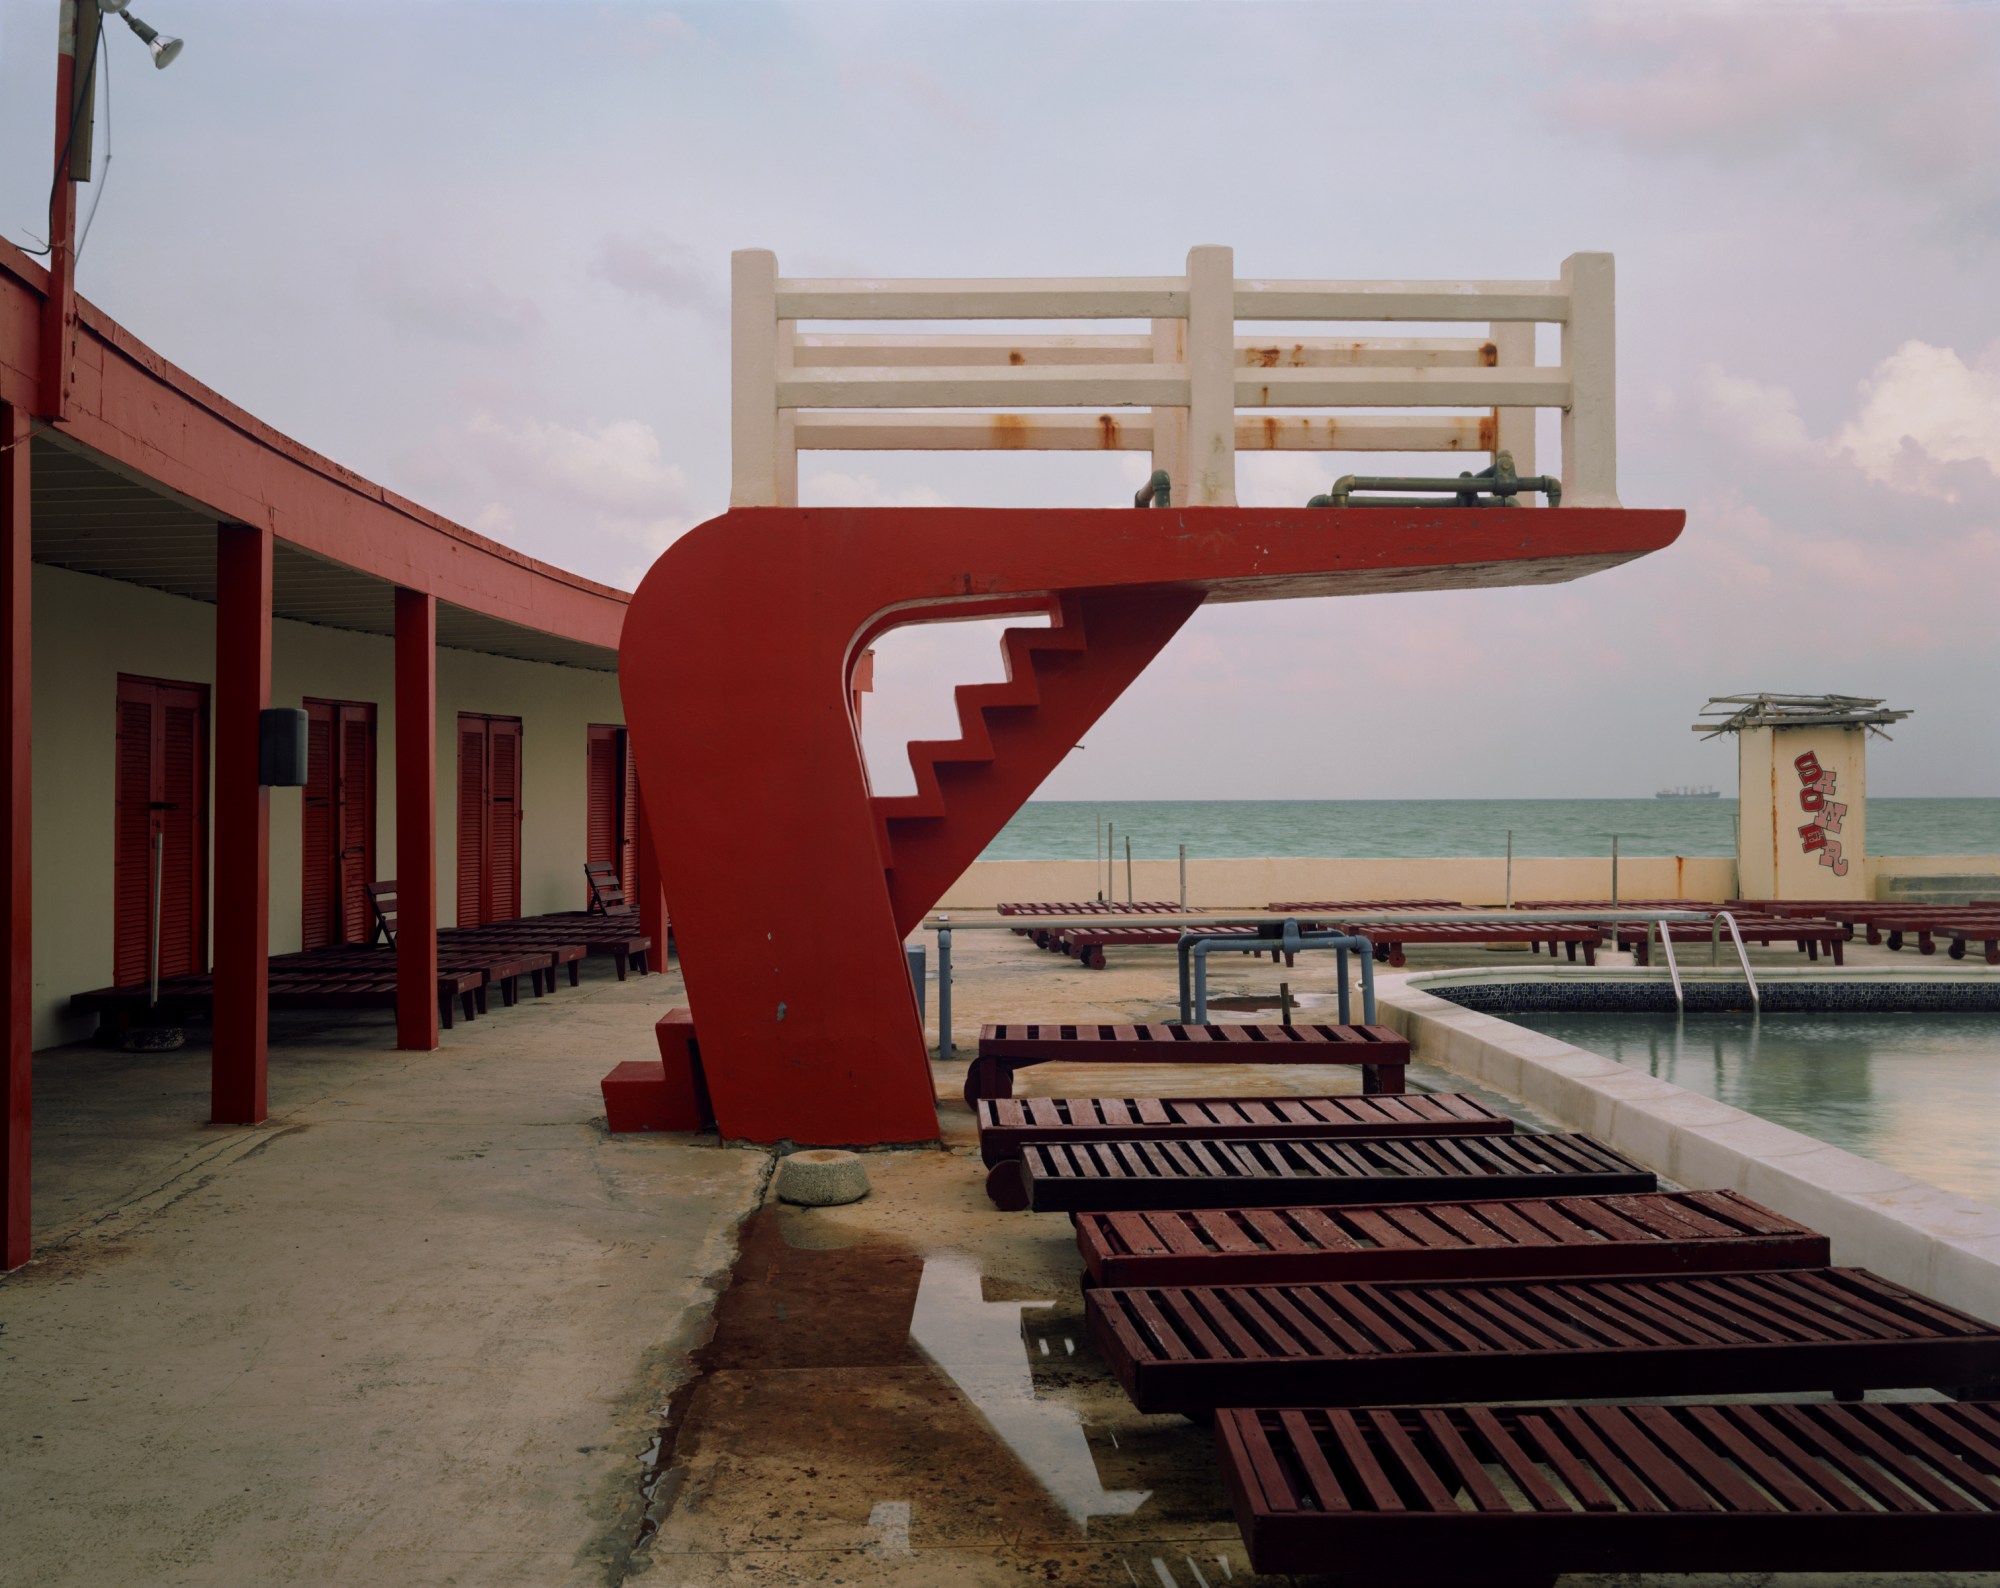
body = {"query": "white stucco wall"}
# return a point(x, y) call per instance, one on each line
point(89, 630)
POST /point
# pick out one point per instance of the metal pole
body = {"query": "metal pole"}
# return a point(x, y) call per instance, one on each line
point(1110, 883)
point(1614, 871)
point(1510, 868)
point(944, 993)
point(1367, 953)
point(1097, 837)
point(1183, 879)
point(1129, 894)
point(1285, 1004)
point(153, 931)
point(1340, 971)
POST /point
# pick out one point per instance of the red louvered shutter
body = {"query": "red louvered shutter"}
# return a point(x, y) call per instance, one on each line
point(600, 819)
point(504, 819)
point(628, 820)
point(316, 824)
point(132, 839)
point(472, 844)
point(356, 835)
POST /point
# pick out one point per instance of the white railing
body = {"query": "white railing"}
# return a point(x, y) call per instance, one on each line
point(1191, 375)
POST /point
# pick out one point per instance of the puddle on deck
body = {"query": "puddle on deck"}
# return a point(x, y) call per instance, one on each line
point(862, 1407)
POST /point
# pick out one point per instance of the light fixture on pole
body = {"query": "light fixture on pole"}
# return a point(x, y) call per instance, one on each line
point(163, 47)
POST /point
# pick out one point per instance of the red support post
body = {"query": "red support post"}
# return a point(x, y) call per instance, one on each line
point(242, 826)
point(416, 821)
point(17, 833)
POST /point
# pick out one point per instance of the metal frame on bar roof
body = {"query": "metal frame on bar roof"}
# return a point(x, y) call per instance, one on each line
point(1738, 712)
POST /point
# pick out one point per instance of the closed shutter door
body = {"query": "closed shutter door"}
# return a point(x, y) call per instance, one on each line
point(161, 767)
point(357, 819)
point(504, 820)
point(472, 847)
point(132, 865)
point(316, 824)
point(600, 831)
point(628, 820)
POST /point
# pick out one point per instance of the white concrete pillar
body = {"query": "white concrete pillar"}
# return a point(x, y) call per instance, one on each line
point(1514, 428)
point(1211, 361)
point(1589, 352)
point(1170, 425)
point(753, 372)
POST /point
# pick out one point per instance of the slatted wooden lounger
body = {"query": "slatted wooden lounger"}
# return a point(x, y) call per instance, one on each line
point(1041, 935)
point(504, 958)
point(1086, 944)
point(1382, 1053)
point(1100, 1177)
point(1007, 1125)
point(1413, 1341)
point(1958, 925)
point(1499, 1497)
point(1650, 1233)
point(1323, 906)
point(1391, 938)
point(363, 987)
point(1810, 935)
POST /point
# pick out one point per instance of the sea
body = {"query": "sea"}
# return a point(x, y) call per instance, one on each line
point(1399, 829)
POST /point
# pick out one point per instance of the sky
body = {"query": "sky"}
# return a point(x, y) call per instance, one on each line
point(480, 253)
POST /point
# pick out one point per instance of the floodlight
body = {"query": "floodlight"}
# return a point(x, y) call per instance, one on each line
point(113, 7)
point(164, 49)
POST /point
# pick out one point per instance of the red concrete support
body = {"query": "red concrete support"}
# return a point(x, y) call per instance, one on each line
point(243, 826)
point(416, 821)
point(17, 834)
point(794, 885)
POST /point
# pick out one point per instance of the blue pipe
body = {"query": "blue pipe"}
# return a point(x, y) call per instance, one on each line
point(1195, 947)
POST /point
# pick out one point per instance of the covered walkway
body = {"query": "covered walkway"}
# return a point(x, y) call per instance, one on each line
point(125, 469)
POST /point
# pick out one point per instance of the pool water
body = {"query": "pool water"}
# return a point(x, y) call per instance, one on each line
point(1917, 1092)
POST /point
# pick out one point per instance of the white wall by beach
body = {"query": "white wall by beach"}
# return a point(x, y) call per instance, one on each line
point(89, 630)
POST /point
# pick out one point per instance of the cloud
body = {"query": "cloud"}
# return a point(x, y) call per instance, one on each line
point(585, 496)
point(653, 266)
point(1923, 407)
point(1895, 94)
point(1761, 417)
point(469, 310)
point(834, 489)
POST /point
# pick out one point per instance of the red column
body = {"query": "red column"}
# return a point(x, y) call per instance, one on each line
point(416, 821)
point(16, 832)
point(242, 826)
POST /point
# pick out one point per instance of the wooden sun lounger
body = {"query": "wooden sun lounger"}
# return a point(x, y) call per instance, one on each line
point(1412, 1341)
point(361, 987)
point(1649, 1233)
point(1958, 925)
point(1764, 930)
point(1114, 1176)
point(1008, 1125)
point(1502, 1497)
point(503, 955)
point(1381, 1052)
point(1093, 907)
point(1390, 939)
point(1321, 906)
point(1086, 944)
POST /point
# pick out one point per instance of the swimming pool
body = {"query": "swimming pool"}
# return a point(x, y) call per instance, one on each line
point(1917, 1092)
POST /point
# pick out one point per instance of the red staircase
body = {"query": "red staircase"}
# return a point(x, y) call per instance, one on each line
point(1060, 680)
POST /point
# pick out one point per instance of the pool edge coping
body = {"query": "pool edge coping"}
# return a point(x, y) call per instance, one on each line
point(1907, 1230)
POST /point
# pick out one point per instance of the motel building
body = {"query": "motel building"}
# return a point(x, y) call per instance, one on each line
point(172, 568)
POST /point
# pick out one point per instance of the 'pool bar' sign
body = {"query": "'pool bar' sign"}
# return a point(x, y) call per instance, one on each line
point(1816, 795)
point(1801, 764)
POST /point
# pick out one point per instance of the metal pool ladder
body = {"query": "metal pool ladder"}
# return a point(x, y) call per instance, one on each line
point(1665, 935)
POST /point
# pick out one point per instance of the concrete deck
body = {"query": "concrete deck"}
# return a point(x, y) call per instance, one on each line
point(432, 1325)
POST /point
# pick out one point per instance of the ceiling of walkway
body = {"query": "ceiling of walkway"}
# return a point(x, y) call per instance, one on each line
point(93, 520)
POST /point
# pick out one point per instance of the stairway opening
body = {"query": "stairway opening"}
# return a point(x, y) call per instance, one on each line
point(917, 670)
